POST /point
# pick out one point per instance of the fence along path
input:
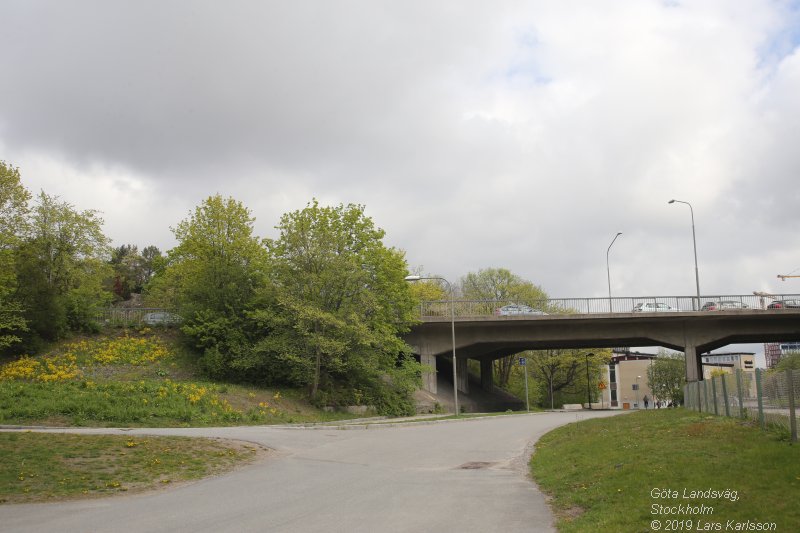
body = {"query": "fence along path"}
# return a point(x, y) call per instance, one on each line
point(769, 398)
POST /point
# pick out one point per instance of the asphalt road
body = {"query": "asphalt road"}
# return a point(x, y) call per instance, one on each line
point(453, 476)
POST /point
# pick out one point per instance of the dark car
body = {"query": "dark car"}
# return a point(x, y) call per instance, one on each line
point(515, 309)
point(784, 304)
point(721, 305)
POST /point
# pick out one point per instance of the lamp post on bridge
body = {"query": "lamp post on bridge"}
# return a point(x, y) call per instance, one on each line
point(452, 331)
point(608, 271)
point(694, 243)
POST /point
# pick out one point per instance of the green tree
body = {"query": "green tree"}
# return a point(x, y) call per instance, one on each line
point(151, 260)
point(503, 286)
point(127, 265)
point(667, 376)
point(790, 361)
point(564, 370)
point(13, 224)
point(62, 267)
point(213, 276)
point(341, 302)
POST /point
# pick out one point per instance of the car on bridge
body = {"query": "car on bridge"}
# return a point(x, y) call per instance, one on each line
point(784, 304)
point(516, 309)
point(653, 307)
point(721, 305)
point(161, 318)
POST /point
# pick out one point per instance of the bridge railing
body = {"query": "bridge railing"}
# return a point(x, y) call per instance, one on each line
point(567, 306)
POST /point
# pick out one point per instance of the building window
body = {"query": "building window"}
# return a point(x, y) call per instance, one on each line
point(635, 386)
point(612, 374)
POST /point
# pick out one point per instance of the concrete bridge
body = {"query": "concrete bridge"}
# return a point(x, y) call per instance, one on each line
point(486, 336)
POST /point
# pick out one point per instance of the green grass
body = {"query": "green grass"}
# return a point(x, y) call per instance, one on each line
point(601, 473)
point(137, 379)
point(46, 467)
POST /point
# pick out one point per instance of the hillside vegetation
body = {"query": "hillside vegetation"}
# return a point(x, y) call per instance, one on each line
point(136, 378)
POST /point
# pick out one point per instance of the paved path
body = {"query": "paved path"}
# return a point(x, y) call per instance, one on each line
point(381, 479)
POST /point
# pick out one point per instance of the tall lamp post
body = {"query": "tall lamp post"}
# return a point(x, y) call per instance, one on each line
point(452, 330)
point(588, 387)
point(608, 271)
point(694, 242)
point(637, 391)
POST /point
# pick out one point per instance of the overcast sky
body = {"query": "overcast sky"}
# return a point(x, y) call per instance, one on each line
point(522, 135)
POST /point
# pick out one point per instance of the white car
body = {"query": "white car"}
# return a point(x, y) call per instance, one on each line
point(654, 307)
point(516, 309)
point(161, 318)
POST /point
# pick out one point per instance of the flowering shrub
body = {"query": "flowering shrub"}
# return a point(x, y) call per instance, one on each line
point(48, 369)
point(123, 350)
point(78, 385)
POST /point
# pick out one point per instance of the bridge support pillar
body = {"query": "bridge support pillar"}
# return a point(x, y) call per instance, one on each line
point(694, 364)
point(463, 377)
point(429, 375)
point(487, 375)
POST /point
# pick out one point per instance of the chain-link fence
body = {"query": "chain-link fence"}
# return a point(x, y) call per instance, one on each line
point(769, 398)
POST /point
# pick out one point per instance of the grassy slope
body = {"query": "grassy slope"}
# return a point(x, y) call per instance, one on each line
point(44, 467)
point(601, 473)
point(136, 378)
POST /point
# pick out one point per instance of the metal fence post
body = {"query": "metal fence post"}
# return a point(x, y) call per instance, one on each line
point(714, 391)
point(792, 415)
point(742, 412)
point(725, 396)
point(760, 395)
point(699, 398)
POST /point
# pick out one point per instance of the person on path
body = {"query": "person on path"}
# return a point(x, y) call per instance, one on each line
point(646, 401)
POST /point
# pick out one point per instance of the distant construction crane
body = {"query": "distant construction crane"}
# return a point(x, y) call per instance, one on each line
point(791, 274)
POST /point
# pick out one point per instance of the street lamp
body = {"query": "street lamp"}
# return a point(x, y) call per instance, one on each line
point(452, 330)
point(694, 242)
point(608, 270)
point(588, 387)
point(637, 390)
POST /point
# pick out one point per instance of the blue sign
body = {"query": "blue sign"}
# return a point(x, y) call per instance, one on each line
point(521, 361)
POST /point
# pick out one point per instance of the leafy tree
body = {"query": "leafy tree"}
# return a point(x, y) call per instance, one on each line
point(790, 361)
point(213, 276)
point(61, 267)
point(502, 285)
point(151, 261)
point(127, 264)
point(13, 223)
point(428, 290)
point(667, 376)
point(559, 370)
point(133, 270)
point(341, 301)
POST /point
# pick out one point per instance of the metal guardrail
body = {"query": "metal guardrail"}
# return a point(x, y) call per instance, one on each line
point(569, 306)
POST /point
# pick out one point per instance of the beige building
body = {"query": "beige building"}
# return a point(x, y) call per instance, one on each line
point(625, 378)
point(729, 363)
point(625, 381)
